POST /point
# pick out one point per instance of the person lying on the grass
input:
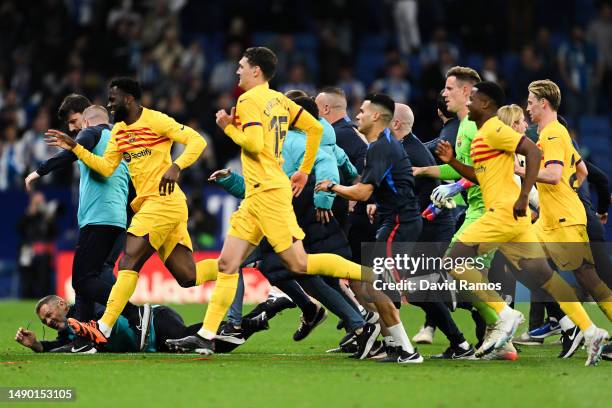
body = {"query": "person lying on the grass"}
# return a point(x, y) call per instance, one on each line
point(53, 311)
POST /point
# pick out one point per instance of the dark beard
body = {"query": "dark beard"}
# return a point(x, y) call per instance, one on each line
point(121, 114)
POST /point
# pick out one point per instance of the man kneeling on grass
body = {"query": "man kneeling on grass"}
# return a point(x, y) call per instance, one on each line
point(53, 311)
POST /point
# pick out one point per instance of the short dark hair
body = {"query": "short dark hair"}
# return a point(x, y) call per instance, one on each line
point(47, 300)
point(308, 104)
point(441, 104)
point(127, 85)
point(73, 103)
point(295, 93)
point(493, 91)
point(264, 58)
point(382, 100)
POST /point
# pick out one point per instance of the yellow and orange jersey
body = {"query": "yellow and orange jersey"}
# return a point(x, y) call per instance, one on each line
point(263, 117)
point(559, 203)
point(492, 153)
point(145, 146)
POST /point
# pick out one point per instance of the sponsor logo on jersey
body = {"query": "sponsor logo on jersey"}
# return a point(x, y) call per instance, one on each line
point(127, 156)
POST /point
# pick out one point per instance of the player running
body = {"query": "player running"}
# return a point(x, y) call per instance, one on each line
point(506, 224)
point(143, 138)
point(259, 124)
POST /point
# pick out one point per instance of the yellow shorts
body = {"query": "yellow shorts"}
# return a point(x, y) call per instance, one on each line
point(164, 221)
point(267, 214)
point(568, 247)
point(497, 229)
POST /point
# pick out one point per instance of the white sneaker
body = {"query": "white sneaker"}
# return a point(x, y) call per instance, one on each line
point(501, 333)
point(424, 336)
point(594, 345)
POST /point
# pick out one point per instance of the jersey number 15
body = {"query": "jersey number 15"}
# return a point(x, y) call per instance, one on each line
point(279, 125)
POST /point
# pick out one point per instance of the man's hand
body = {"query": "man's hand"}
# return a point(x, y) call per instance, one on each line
point(223, 119)
point(170, 177)
point(603, 218)
point(322, 186)
point(445, 151)
point(351, 206)
point(324, 216)
point(220, 174)
point(30, 180)
point(298, 182)
point(371, 211)
point(59, 139)
point(25, 337)
point(417, 171)
point(520, 206)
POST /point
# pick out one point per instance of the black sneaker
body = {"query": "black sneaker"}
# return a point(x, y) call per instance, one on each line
point(570, 341)
point(347, 339)
point(365, 339)
point(256, 323)
point(456, 353)
point(195, 343)
point(273, 305)
point(77, 346)
point(606, 353)
point(143, 327)
point(401, 356)
point(409, 358)
point(378, 350)
point(392, 355)
point(306, 326)
point(230, 334)
point(371, 317)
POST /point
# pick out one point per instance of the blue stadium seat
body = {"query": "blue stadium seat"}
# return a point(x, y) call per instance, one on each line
point(474, 61)
point(369, 64)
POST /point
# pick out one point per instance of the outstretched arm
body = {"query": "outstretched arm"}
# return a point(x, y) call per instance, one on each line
point(446, 154)
point(105, 165)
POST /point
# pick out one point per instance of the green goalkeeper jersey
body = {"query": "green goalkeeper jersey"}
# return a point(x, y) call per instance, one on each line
point(465, 134)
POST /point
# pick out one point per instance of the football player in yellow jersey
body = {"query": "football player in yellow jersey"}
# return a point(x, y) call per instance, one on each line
point(258, 125)
point(562, 223)
point(143, 138)
point(506, 224)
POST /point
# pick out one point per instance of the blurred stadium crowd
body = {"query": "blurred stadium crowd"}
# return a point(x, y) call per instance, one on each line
point(185, 55)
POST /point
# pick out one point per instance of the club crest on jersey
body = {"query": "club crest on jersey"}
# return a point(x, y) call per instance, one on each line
point(127, 156)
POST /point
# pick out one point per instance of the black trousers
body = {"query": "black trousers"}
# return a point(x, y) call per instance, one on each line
point(96, 252)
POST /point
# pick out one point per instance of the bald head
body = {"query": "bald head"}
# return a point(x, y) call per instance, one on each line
point(332, 104)
point(403, 120)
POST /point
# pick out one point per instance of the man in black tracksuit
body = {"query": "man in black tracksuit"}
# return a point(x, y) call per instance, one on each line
point(437, 233)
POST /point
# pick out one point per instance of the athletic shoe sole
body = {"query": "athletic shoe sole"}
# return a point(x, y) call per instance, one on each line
point(147, 319)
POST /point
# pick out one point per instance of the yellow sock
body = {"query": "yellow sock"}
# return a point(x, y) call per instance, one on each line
point(337, 267)
point(603, 295)
point(563, 293)
point(222, 297)
point(120, 294)
point(489, 297)
point(206, 270)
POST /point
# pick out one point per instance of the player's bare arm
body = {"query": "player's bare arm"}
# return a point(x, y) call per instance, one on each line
point(431, 171)
point(445, 152)
point(550, 174)
point(533, 156)
point(356, 192)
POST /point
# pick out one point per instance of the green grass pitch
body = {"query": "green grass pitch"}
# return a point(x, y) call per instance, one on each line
point(272, 370)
